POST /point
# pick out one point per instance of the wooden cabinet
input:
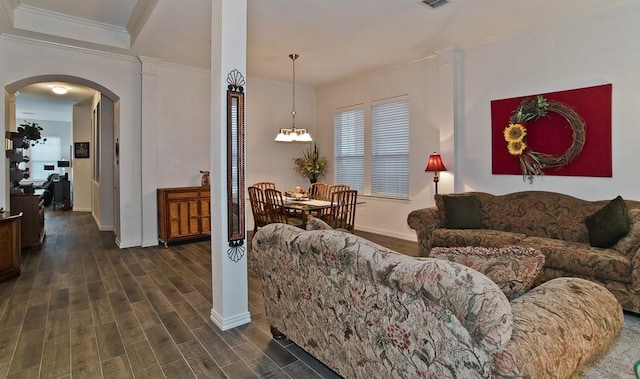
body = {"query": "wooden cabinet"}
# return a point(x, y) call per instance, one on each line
point(32, 218)
point(183, 213)
point(10, 247)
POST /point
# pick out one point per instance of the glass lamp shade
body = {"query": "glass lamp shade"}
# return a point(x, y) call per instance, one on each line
point(435, 163)
point(282, 137)
point(305, 137)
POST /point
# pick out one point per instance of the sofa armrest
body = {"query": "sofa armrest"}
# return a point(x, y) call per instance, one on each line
point(424, 222)
point(635, 271)
point(557, 328)
point(476, 301)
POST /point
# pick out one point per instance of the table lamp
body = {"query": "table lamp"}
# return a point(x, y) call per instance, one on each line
point(435, 165)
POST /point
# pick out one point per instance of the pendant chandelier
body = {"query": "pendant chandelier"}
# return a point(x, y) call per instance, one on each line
point(293, 134)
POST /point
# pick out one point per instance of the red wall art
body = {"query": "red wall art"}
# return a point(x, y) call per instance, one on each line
point(553, 135)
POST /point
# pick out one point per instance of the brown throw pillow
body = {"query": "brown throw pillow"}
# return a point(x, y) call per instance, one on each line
point(462, 212)
point(608, 224)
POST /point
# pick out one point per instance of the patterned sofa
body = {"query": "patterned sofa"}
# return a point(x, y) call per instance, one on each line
point(551, 222)
point(367, 311)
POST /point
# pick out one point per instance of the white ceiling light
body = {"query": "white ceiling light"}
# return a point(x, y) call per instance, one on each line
point(59, 90)
point(292, 134)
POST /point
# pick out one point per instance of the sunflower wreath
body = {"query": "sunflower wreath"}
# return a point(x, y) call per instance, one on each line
point(532, 162)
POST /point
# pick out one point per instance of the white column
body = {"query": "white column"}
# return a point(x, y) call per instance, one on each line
point(450, 92)
point(10, 125)
point(149, 149)
point(228, 52)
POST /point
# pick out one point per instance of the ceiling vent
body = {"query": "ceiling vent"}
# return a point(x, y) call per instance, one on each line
point(435, 3)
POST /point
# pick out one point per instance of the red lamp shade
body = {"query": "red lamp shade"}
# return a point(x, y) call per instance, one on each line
point(435, 163)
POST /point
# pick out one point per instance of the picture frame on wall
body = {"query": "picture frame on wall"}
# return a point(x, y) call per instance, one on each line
point(81, 150)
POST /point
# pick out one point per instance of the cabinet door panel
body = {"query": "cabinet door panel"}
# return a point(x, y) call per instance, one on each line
point(205, 216)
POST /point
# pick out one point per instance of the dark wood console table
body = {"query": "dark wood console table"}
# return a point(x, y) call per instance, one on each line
point(10, 246)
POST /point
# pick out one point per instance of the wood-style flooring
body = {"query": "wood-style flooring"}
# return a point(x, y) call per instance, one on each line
point(83, 308)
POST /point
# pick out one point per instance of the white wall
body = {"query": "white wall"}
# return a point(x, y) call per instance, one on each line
point(268, 109)
point(82, 167)
point(587, 51)
point(182, 125)
point(419, 80)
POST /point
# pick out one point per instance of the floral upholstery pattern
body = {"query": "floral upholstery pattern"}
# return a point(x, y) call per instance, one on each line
point(367, 311)
point(514, 269)
point(314, 223)
point(581, 259)
point(474, 237)
point(552, 223)
point(568, 334)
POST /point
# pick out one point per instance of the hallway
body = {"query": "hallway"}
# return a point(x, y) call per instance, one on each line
point(83, 308)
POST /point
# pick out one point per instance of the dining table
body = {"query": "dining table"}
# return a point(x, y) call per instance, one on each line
point(305, 205)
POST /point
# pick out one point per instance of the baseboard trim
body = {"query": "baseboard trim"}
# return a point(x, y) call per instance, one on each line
point(388, 233)
point(230, 322)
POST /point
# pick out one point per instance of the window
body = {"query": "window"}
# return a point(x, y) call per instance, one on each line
point(390, 149)
point(349, 148)
point(41, 154)
point(386, 163)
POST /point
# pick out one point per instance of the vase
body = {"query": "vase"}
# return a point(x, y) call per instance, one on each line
point(313, 180)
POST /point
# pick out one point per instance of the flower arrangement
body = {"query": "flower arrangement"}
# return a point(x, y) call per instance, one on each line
point(532, 162)
point(311, 165)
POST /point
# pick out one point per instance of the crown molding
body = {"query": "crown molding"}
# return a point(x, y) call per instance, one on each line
point(61, 25)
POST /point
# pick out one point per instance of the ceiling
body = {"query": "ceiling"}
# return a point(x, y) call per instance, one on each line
point(336, 39)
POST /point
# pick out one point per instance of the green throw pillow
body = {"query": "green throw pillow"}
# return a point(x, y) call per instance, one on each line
point(462, 212)
point(607, 225)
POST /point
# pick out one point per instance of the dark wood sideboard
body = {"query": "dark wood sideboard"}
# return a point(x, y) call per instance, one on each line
point(32, 218)
point(10, 246)
point(184, 213)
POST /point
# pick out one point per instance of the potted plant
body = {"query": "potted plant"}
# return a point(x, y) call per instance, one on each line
point(311, 165)
point(31, 132)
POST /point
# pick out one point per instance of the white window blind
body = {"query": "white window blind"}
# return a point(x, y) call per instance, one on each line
point(41, 154)
point(390, 149)
point(349, 148)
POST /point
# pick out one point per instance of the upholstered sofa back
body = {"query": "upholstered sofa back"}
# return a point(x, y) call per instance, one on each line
point(537, 213)
point(368, 311)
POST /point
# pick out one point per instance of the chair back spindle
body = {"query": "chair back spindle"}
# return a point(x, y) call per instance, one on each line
point(343, 210)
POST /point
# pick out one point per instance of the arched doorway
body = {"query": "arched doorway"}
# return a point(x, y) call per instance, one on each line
point(104, 172)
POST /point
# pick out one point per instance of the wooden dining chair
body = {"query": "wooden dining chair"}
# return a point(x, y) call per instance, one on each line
point(259, 208)
point(264, 185)
point(277, 210)
point(319, 191)
point(335, 188)
point(343, 210)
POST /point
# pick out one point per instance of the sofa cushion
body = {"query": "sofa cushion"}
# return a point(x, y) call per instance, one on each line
point(581, 259)
point(462, 212)
point(607, 225)
point(474, 237)
point(513, 268)
point(629, 244)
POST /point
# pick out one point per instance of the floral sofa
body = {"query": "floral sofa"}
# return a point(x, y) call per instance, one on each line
point(367, 311)
point(551, 222)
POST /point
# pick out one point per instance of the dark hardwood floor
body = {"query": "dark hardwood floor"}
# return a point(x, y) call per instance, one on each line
point(83, 308)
